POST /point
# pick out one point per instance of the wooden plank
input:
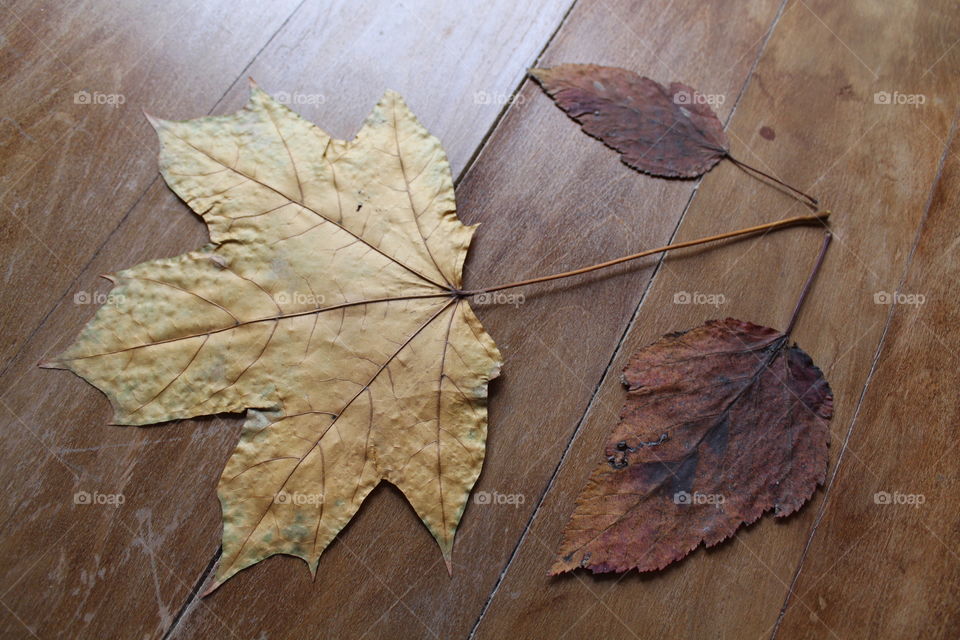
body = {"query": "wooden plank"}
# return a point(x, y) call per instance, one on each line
point(83, 569)
point(884, 559)
point(77, 152)
point(342, 56)
point(548, 199)
point(873, 164)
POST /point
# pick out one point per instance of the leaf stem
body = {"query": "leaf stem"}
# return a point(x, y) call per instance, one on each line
point(746, 167)
point(820, 216)
point(806, 287)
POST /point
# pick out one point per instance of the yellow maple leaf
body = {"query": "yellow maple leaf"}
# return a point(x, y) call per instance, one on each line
point(328, 305)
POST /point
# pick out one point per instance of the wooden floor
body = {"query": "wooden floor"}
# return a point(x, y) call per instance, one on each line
point(81, 195)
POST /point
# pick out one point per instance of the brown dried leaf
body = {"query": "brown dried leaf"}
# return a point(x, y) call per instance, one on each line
point(326, 306)
point(721, 423)
point(664, 131)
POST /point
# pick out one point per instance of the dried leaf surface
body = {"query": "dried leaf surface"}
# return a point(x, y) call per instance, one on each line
point(664, 131)
point(721, 423)
point(323, 306)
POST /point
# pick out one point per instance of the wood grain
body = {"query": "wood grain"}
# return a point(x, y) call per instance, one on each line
point(861, 158)
point(884, 559)
point(77, 151)
point(138, 563)
point(546, 201)
point(80, 196)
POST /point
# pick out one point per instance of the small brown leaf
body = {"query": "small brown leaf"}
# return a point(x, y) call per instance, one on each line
point(721, 423)
point(664, 131)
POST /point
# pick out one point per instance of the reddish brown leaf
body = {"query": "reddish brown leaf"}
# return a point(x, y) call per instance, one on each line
point(721, 423)
point(664, 131)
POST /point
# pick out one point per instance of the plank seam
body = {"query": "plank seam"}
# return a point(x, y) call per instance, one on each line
point(508, 104)
point(193, 594)
point(618, 348)
point(866, 384)
point(70, 286)
point(756, 61)
point(15, 357)
point(467, 167)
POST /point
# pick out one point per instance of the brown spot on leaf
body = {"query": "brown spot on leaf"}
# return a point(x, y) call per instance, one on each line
point(745, 421)
point(767, 133)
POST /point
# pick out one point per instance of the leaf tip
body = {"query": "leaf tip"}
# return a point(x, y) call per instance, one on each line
point(155, 122)
point(50, 364)
point(538, 73)
point(252, 83)
point(391, 94)
point(213, 587)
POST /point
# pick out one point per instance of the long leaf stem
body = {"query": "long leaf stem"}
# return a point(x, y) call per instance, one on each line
point(818, 217)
